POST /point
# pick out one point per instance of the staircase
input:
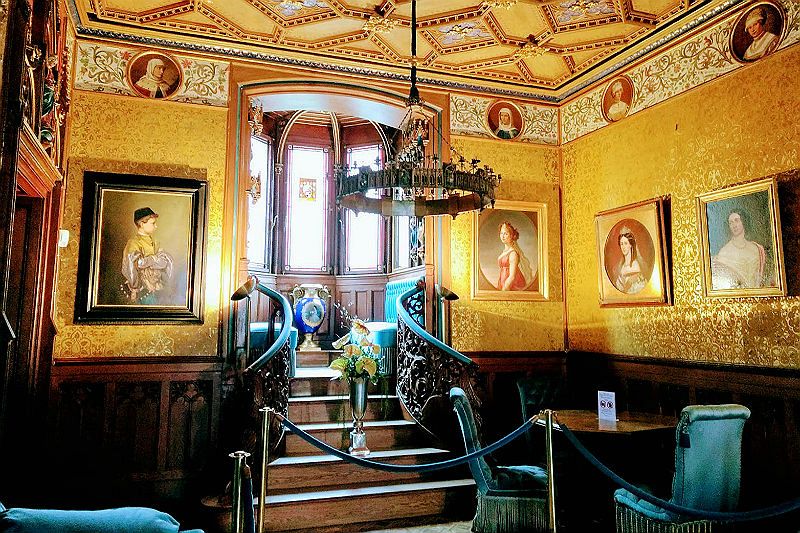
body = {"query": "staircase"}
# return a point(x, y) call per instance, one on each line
point(309, 491)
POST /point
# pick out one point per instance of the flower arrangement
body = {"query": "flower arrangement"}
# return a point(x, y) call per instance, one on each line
point(359, 359)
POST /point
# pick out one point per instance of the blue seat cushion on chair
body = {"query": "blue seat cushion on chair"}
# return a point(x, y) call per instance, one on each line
point(644, 507)
point(384, 334)
point(122, 520)
point(259, 331)
point(521, 477)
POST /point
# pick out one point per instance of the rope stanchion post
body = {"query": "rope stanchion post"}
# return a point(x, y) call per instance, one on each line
point(551, 481)
point(239, 462)
point(262, 492)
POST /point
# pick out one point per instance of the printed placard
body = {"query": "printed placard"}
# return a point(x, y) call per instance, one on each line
point(606, 406)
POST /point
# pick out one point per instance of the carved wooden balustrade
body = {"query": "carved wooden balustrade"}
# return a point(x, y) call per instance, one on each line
point(266, 379)
point(427, 369)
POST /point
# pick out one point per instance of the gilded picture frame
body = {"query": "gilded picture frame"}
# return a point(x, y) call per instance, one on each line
point(741, 246)
point(142, 249)
point(632, 255)
point(510, 252)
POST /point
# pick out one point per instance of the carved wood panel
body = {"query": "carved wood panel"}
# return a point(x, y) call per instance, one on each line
point(144, 428)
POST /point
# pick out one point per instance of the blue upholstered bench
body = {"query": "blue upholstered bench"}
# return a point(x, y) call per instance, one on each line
point(122, 520)
point(384, 333)
point(258, 341)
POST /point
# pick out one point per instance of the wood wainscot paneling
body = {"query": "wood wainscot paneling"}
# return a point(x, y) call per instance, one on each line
point(501, 409)
point(362, 296)
point(132, 432)
point(770, 450)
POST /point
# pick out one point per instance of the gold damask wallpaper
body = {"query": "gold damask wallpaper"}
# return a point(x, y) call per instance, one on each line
point(140, 136)
point(738, 128)
point(530, 173)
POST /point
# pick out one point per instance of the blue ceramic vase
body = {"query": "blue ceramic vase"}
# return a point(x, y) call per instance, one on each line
point(309, 311)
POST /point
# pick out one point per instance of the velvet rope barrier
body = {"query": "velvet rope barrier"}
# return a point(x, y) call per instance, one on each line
point(733, 516)
point(386, 467)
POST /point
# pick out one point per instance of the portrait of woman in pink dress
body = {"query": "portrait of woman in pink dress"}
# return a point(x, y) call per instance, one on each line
point(515, 269)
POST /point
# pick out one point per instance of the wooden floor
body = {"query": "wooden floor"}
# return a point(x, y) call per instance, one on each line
point(452, 527)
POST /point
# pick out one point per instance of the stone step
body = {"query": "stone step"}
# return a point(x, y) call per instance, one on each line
point(324, 472)
point(325, 509)
point(311, 409)
point(381, 435)
point(316, 381)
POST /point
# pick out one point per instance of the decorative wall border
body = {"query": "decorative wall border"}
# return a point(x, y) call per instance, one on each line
point(103, 68)
point(701, 58)
point(468, 117)
point(372, 72)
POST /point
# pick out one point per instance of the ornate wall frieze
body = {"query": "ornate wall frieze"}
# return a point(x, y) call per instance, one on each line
point(701, 58)
point(468, 116)
point(108, 69)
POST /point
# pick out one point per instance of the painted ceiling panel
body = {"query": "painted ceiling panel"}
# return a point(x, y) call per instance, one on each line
point(520, 21)
point(324, 31)
point(521, 45)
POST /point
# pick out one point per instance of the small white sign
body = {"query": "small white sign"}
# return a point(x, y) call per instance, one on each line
point(606, 406)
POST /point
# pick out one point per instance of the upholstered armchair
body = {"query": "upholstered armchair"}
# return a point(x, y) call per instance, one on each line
point(384, 333)
point(510, 498)
point(708, 447)
point(537, 393)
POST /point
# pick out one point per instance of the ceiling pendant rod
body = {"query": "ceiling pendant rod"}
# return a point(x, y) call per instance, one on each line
point(413, 95)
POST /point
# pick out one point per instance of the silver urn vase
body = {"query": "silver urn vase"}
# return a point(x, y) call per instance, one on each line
point(358, 406)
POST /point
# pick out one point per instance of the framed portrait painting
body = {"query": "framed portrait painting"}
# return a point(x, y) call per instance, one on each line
point(617, 99)
point(505, 120)
point(740, 241)
point(632, 256)
point(758, 31)
point(510, 252)
point(154, 75)
point(142, 245)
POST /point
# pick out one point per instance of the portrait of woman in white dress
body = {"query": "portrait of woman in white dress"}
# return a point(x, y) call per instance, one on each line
point(740, 262)
point(629, 257)
point(742, 250)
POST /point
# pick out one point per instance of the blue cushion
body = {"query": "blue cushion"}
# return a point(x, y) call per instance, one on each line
point(642, 506)
point(259, 330)
point(521, 477)
point(122, 520)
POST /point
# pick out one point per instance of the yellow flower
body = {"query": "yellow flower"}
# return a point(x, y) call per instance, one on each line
point(352, 350)
point(360, 328)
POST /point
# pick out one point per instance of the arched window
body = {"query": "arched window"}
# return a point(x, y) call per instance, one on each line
point(308, 206)
point(364, 233)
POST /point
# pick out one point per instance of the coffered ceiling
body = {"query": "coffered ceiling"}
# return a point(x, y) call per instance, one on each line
point(536, 47)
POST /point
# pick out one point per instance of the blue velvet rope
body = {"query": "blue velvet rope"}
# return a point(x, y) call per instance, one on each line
point(386, 467)
point(733, 516)
point(247, 505)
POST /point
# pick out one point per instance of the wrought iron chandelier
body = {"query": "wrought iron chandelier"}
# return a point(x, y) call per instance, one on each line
point(416, 182)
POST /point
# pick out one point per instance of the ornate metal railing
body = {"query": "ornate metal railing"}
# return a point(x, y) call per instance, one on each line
point(427, 369)
point(266, 379)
